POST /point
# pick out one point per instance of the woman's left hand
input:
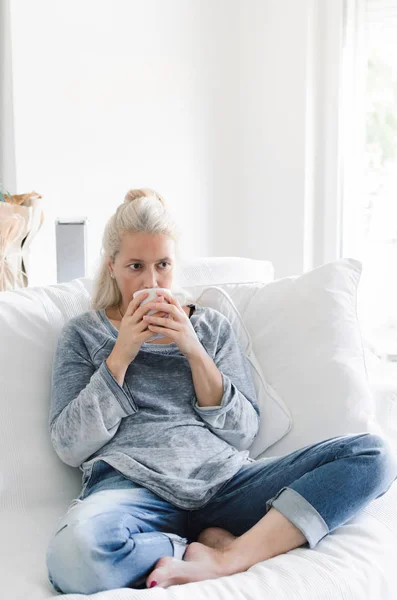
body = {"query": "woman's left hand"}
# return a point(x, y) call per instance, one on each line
point(177, 325)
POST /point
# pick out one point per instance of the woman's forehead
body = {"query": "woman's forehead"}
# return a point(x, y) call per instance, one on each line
point(147, 247)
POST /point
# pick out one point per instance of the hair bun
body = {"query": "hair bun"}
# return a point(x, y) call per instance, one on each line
point(132, 195)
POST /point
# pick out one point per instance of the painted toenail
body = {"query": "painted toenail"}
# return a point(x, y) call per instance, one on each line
point(153, 584)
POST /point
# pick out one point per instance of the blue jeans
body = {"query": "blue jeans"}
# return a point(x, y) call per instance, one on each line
point(113, 538)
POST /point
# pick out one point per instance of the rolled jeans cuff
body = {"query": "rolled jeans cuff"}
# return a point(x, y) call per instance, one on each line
point(301, 513)
point(179, 544)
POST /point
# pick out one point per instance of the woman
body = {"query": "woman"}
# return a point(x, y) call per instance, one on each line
point(161, 426)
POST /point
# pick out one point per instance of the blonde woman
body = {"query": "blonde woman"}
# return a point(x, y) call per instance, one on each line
point(159, 412)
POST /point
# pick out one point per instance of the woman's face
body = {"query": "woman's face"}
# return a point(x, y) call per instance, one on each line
point(144, 261)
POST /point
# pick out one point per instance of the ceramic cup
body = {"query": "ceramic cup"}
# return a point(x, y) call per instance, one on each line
point(153, 296)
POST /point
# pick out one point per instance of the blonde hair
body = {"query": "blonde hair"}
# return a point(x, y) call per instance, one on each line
point(143, 210)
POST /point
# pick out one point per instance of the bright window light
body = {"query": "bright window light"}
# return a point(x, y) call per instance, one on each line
point(369, 230)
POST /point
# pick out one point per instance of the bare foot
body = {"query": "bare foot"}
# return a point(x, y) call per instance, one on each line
point(199, 563)
point(216, 537)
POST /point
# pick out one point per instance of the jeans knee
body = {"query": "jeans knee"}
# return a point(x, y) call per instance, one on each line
point(384, 460)
point(70, 561)
point(103, 552)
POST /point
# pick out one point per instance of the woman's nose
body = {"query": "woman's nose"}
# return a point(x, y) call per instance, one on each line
point(150, 280)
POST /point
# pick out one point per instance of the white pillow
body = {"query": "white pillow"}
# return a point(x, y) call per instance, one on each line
point(275, 419)
point(307, 339)
point(30, 322)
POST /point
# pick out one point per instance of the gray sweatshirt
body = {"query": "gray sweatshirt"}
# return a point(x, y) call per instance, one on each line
point(151, 429)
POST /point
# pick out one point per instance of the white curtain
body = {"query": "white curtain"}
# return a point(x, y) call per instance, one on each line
point(383, 13)
point(366, 201)
point(7, 141)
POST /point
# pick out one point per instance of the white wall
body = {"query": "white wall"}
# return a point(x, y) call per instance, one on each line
point(207, 101)
point(7, 149)
point(272, 131)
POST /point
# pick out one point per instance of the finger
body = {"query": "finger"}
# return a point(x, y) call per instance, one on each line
point(169, 297)
point(159, 314)
point(170, 309)
point(154, 320)
point(145, 308)
point(166, 332)
point(160, 298)
point(146, 335)
point(142, 327)
point(135, 302)
point(161, 322)
point(173, 302)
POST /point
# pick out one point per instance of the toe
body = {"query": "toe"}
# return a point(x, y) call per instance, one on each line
point(160, 573)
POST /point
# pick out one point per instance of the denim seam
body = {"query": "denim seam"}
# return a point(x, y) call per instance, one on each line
point(319, 451)
point(178, 543)
point(145, 539)
point(240, 489)
point(178, 539)
point(191, 518)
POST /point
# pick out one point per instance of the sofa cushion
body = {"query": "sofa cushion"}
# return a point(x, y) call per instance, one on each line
point(30, 322)
point(275, 418)
point(306, 336)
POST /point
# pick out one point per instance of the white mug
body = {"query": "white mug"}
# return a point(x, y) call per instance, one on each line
point(151, 297)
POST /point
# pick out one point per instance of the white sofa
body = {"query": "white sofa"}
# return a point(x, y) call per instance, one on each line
point(356, 562)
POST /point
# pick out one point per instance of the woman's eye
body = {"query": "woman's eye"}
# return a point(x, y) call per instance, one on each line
point(138, 264)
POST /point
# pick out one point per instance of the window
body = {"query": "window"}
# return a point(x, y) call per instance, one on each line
point(369, 198)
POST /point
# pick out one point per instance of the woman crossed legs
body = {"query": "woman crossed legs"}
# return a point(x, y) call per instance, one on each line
point(133, 538)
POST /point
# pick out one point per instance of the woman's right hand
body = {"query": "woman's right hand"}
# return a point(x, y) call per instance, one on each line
point(133, 329)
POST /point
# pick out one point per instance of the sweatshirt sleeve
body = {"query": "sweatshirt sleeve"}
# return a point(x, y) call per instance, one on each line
point(237, 419)
point(87, 403)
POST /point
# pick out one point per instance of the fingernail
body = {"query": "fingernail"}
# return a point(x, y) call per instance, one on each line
point(153, 584)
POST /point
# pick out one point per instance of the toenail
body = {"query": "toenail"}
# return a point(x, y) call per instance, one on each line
point(153, 584)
